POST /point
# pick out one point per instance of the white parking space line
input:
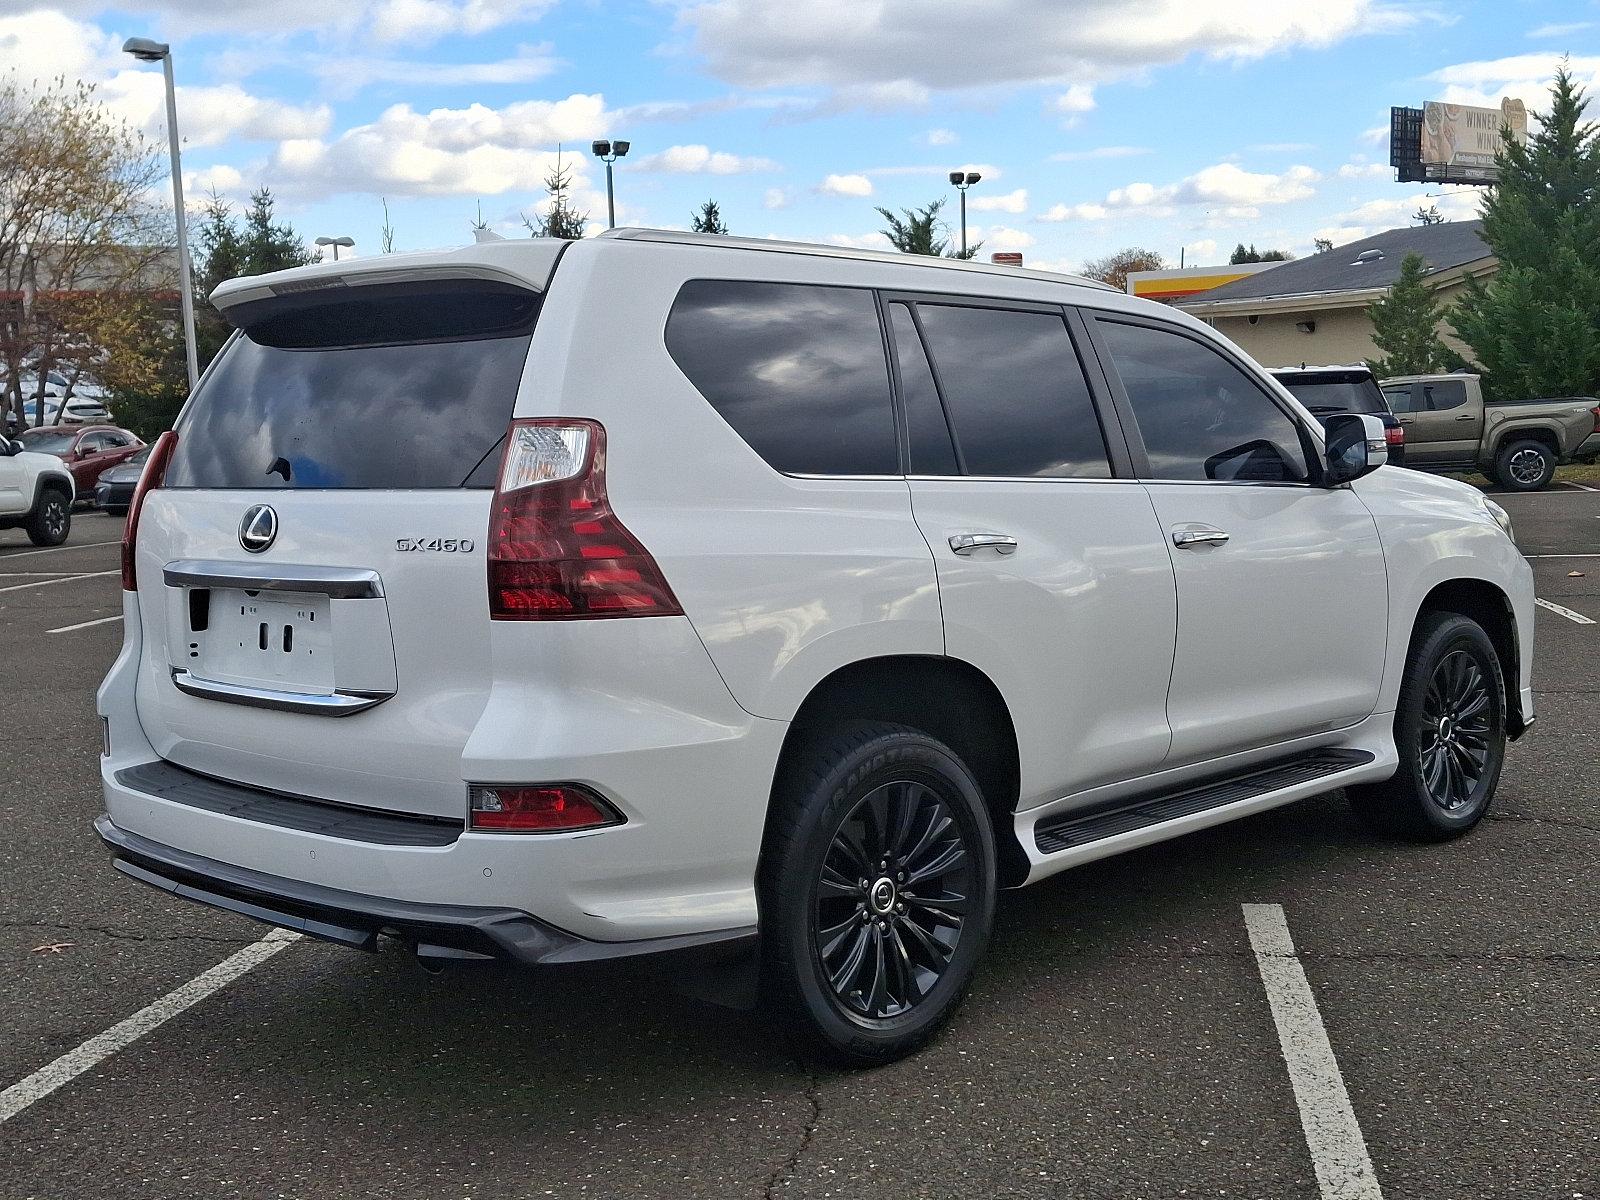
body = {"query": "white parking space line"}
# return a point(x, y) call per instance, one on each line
point(85, 624)
point(17, 587)
point(97, 1049)
point(1564, 612)
point(1338, 1151)
point(1582, 487)
point(53, 549)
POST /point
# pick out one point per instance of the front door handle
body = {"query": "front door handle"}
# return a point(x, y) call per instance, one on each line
point(967, 543)
point(1186, 539)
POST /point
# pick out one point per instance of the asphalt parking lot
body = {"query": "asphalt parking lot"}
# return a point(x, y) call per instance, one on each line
point(1119, 1042)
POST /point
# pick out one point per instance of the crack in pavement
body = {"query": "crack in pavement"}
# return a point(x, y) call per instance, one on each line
point(1529, 818)
point(785, 1171)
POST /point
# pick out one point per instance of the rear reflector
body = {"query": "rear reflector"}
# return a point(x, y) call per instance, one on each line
point(547, 808)
point(556, 550)
point(155, 469)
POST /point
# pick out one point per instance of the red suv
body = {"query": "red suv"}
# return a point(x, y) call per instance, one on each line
point(85, 449)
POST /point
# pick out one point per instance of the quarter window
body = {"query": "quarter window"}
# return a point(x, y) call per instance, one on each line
point(1200, 416)
point(1016, 392)
point(798, 371)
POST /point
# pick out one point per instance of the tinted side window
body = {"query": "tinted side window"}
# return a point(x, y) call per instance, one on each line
point(798, 371)
point(1016, 392)
point(1399, 398)
point(1200, 416)
point(1446, 395)
point(929, 432)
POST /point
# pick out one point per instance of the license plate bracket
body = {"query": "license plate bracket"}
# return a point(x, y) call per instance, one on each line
point(272, 639)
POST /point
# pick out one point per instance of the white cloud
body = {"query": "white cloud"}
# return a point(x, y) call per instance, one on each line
point(941, 137)
point(346, 75)
point(859, 241)
point(1378, 133)
point(1525, 76)
point(1010, 202)
point(846, 185)
point(775, 198)
point(1074, 102)
point(1358, 170)
point(1074, 212)
point(1001, 237)
point(1197, 253)
point(424, 21)
point(1559, 30)
point(845, 43)
point(1224, 186)
point(1099, 152)
point(1375, 216)
point(474, 151)
point(702, 160)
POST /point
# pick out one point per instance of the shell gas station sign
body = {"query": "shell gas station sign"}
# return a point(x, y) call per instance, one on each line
point(1183, 282)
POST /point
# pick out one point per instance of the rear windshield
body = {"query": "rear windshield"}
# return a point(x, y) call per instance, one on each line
point(1337, 394)
point(392, 386)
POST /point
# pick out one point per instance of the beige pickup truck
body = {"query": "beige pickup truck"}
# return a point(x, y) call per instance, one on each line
point(1516, 443)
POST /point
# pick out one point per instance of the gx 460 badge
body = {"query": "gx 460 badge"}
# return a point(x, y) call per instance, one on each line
point(435, 545)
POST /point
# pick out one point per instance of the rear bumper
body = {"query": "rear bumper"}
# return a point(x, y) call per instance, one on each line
point(438, 932)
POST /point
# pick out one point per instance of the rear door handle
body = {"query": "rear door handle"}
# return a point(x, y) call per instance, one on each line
point(967, 543)
point(1466, 417)
point(1186, 539)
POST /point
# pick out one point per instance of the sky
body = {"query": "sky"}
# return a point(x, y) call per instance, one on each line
point(1185, 126)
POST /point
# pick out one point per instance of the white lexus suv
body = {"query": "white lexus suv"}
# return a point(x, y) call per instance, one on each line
point(761, 610)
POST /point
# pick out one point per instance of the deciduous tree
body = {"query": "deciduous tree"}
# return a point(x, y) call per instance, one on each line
point(1115, 268)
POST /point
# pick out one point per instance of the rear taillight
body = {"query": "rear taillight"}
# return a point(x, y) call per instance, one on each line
point(1394, 435)
point(1596, 411)
point(546, 808)
point(155, 469)
point(556, 550)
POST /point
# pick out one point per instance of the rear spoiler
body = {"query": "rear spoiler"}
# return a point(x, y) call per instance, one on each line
point(525, 263)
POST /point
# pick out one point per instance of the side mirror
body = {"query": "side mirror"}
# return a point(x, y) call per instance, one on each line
point(9, 448)
point(1354, 446)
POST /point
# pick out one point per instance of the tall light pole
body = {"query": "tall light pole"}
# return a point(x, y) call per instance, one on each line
point(962, 180)
point(608, 153)
point(146, 50)
point(336, 243)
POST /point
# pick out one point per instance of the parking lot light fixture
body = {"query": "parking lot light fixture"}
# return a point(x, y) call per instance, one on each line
point(146, 50)
point(336, 242)
point(961, 181)
point(608, 152)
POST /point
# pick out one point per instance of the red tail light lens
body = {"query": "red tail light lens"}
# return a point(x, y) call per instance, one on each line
point(1394, 435)
point(1596, 411)
point(556, 550)
point(155, 470)
point(550, 808)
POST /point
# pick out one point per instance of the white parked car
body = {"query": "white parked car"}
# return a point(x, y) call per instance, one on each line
point(36, 494)
point(753, 605)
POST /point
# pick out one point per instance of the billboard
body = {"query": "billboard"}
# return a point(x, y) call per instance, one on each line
point(1452, 143)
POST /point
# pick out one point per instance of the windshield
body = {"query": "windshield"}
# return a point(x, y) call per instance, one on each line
point(1323, 394)
point(405, 386)
point(47, 441)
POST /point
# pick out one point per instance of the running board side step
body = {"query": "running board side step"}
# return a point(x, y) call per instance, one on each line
point(1072, 830)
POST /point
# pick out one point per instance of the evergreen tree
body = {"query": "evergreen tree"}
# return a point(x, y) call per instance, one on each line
point(229, 248)
point(1405, 326)
point(1428, 216)
point(709, 219)
point(920, 231)
point(1249, 254)
point(1321, 245)
point(560, 219)
point(1535, 326)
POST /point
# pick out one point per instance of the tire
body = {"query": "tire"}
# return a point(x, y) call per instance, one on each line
point(51, 521)
point(1525, 465)
point(882, 806)
point(1453, 684)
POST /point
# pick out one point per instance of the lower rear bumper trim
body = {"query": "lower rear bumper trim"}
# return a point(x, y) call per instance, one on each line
point(356, 920)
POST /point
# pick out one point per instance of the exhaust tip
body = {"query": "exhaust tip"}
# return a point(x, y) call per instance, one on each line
point(434, 959)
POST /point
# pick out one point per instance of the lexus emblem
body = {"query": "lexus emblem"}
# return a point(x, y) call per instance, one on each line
point(259, 528)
